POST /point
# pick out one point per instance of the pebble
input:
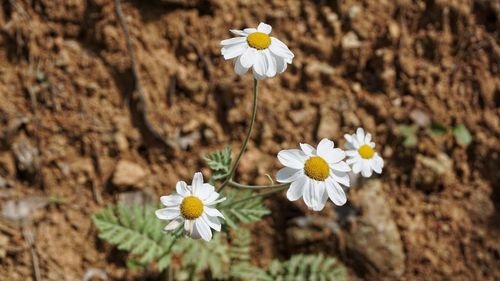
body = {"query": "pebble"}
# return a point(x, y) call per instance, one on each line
point(127, 174)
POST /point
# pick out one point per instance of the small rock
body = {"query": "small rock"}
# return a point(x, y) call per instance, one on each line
point(328, 126)
point(374, 240)
point(135, 198)
point(21, 209)
point(314, 68)
point(27, 159)
point(95, 274)
point(127, 174)
point(302, 116)
point(121, 142)
point(350, 41)
point(394, 31)
point(420, 118)
point(354, 11)
point(431, 174)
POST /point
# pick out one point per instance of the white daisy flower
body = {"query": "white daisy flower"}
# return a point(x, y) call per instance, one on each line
point(254, 48)
point(192, 205)
point(361, 153)
point(315, 174)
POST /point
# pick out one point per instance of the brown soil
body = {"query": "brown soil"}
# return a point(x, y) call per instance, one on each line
point(69, 110)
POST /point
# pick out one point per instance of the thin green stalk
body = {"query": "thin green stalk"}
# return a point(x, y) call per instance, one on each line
point(245, 142)
point(239, 185)
point(177, 233)
point(263, 194)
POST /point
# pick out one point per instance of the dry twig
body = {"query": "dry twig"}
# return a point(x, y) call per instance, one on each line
point(28, 236)
point(141, 101)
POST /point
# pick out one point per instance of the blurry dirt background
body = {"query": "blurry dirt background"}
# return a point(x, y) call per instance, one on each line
point(74, 135)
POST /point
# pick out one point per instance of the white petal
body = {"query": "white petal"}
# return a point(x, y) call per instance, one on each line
point(375, 166)
point(336, 193)
point(212, 222)
point(319, 191)
point(379, 160)
point(168, 213)
point(258, 76)
point(324, 146)
point(265, 28)
point(182, 188)
point(171, 200)
point(348, 138)
point(296, 189)
point(366, 170)
point(333, 155)
point(308, 149)
point(203, 229)
point(308, 193)
point(211, 198)
point(188, 226)
point(288, 174)
point(351, 160)
point(356, 168)
point(191, 229)
point(280, 65)
point(340, 166)
point(260, 64)
point(232, 41)
point(238, 32)
point(197, 182)
point(271, 63)
point(239, 68)
point(293, 158)
point(368, 138)
point(233, 51)
point(204, 192)
point(173, 225)
point(248, 58)
point(212, 212)
point(351, 153)
point(280, 49)
point(250, 30)
point(340, 177)
point(360, 134)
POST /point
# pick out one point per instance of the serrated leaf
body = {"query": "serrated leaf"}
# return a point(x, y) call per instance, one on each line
point(462, 135)
point(220, 163)
point(134, 229)
point(242, 207)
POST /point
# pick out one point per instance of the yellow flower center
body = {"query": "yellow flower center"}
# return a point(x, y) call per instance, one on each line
point(191, 207)
point(366, 151)
point(259, 40)
point(317, 168)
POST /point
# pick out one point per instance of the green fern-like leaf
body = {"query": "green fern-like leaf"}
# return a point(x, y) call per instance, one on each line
point(135, 229)
point(242, 207)
point(241, 240)
point(199, 256)
point(298, 267)
point(220, 163)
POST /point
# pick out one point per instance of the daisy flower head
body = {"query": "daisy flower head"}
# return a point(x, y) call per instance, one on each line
point(254, 48)
point(362, 156)
point(315, 174)
point(193, 206)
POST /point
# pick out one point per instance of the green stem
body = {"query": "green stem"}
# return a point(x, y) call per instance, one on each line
point(263, 194)
point(177, 233)
point(245, 142)
point(239, 185)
